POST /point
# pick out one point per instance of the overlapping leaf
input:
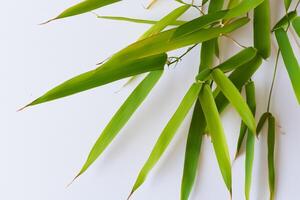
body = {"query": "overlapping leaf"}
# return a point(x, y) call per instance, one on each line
point(296, 25)
point(216, 131)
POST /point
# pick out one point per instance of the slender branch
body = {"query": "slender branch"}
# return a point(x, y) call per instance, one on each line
point(273, 80)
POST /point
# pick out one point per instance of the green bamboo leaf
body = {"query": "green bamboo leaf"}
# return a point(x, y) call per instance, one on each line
point(285, 21)
point(271, 158)
point(216, 131)
point(139, 21)
point(251, 101)
point(261, 122)
point(243, 131)
point(242, 8)
point(290, 60)
point(235, 98)
point(233, 3)
point(162, 42)
point(238, 77)
point(209, 48)
point(121, 117)
point(83, 7)
point(165, 21)
point(237, 60)
point(262, 28)
point(108, 72)
point(296, 25)
point(168, 134)
point(192, 151)
point(287, 4)
point(198, 23)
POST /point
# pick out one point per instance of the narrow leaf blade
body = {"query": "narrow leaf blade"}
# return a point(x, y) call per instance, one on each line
point(192, 152)
point(235, 98)
point(168, 134)
point(216, 131)
point(290, 60)
point(296, 25)
point(121, 117)
point(271, 155)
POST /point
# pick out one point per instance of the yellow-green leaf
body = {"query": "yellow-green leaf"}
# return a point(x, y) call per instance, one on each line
point(168, 134)
point(108, 72)
point(235, 98)
point(216, 131)
point(83, 7)
point(296, 25)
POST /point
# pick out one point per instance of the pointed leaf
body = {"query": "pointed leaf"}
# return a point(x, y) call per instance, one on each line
point(261, 122)
point(108, 72)
point(192, 152)
point(238, 77)
point(243, 131)
point(121, 117)
point(84, 6)
point(287, 4)
point(168, 134)
point(262, 28)
point(290, 60)
point(139, 21)
point(216, 131)
point(235, 98)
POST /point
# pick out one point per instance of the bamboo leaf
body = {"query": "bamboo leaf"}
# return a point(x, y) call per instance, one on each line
point(216, 131)
point(192, 151)
point(290, 60)
point(207, 54)
point(235, 98)
point(121, 117)
point(271, 158)
point(83, 7)
point(215, 5)
point(261, 122)
point(139, 21)
point(242, 8)
point(162, 42)
point(251, 101)
point(165, 21)
point(109, 72)
point(238, 77)
point(287, 4)
point(168, 134)
point(237, 60)
point(285, 21)
point(233, 3)
point(296, 25)
point(262, 28)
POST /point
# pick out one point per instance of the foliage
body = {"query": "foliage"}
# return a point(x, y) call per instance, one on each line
point(149, 55)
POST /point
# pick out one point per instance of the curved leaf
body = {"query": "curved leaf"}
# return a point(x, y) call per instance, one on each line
point(216, 131)
point(261, 122)
point(284, 22)
point(168, 134)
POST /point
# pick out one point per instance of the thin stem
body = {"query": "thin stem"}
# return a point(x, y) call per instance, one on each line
point(181, 56)
point(235, 41)
point(297, 5)
point(273, 81)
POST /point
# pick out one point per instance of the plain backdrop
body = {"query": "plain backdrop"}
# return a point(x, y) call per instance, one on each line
point(42, 148)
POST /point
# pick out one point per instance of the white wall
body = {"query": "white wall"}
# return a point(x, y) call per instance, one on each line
point(43, 147)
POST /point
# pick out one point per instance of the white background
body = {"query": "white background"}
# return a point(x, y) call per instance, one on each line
point(43, 147)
